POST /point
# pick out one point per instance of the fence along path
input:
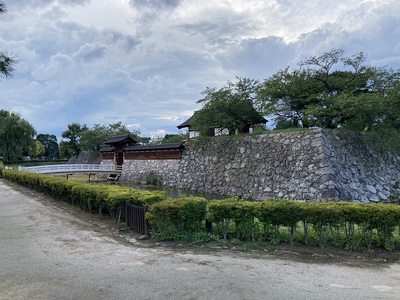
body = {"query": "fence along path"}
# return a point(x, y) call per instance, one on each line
point(135, 217)
point(72, 168)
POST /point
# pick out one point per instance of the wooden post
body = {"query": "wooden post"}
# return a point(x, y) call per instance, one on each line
point(146, 223)
point(127, 202)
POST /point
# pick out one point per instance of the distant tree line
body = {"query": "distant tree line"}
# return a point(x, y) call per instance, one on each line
point(18, 139)
point(80, 137)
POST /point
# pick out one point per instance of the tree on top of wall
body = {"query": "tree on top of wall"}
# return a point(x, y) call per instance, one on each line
point(228, 108)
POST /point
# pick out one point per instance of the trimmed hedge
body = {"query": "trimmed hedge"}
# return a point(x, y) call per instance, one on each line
point(184, 214)
point(89, 196)
point(351, 225)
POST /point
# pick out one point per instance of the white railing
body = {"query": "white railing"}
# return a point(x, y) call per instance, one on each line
point(72, 168)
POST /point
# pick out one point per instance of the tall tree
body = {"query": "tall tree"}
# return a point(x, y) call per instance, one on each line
point(335, 91)
point(50, 144)
point(73, 136)
point(36, 150)
point(16, 134)
point(286, 94)
point(65, 150)
point(228, 108)
point(7, 61)
point(339, 79)
point(329, 91)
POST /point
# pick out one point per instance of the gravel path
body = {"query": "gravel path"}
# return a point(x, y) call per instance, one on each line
point(46, 253)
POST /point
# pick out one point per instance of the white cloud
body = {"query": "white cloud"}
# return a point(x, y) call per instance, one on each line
point(146, 62)
point(158, 133)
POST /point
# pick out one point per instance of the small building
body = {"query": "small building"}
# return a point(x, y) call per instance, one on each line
point(154, 152)
point(122, 147)
point(114, 148)
point(215, 131)
point(192, 133)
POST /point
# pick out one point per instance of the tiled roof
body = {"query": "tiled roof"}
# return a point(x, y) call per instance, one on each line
point(171, 146)
point(106, 148)
point(187, 122)
point(119, 139)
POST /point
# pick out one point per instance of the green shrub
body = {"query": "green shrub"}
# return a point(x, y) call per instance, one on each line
point(278, 213)
point(239, 212)
point(153, 179)
point(184, 214)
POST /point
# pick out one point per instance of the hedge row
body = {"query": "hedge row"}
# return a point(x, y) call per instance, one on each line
point(341, 223)
point(345, 224)
point(89, 196)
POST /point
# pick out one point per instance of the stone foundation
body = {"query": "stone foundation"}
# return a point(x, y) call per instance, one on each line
point(137, 170)
point(316, 165)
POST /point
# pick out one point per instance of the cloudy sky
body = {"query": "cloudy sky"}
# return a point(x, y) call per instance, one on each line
point(146, 62)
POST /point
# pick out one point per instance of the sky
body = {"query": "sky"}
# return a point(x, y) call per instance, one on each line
point(145, 62)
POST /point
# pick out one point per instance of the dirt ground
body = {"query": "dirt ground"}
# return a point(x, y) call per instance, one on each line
point(301, 253)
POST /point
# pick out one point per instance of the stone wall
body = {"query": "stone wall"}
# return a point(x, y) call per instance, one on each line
point(137, 170)
point(359, 172)
point(284, 165)
point(313, 165)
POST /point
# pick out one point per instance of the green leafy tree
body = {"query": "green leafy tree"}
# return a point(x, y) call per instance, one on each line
point(228, 108)
point(16, 134)
point(92, 139)
point(39, 149)
point(384, 131)
point(364, 102)
point(171, 138)
point(332, 91)
point(73, 136)
point(66, 152)
point(339, 80)
point(36, 150)
point(286, 94)
point(283, 123)
point(144, 140)
point(174, 138)
point(50, 144)
point(7, 61)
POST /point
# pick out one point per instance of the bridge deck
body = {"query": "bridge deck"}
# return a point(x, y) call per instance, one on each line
point(73, 168)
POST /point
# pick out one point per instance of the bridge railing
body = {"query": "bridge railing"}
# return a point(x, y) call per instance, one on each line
point(66, 168)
